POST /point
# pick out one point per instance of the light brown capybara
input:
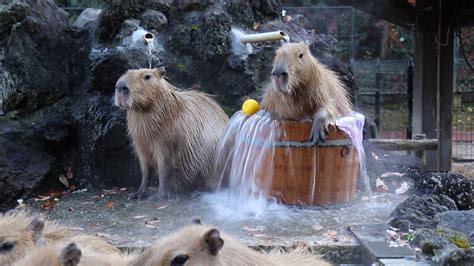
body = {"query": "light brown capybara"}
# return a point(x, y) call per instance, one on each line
point(175, 133)
point(21, 232)
point(301, 87)
point(203, 245)
point(70, 254)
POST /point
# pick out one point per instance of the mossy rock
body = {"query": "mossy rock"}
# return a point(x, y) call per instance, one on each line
point(456, 238)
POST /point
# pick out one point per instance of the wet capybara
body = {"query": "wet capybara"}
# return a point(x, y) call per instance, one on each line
point(71, 254)
point(21, 232)
point(175, 133)
point(203, 245)
point(301, 87)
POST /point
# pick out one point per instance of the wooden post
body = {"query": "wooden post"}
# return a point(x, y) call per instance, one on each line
point(445, 46)
point(378, 77)
point(410, 98)
point(424, 93)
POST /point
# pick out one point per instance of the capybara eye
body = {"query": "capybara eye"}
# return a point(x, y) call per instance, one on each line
point(301, 55)
point(147, 77)
point(179, 260)
point(6, 246)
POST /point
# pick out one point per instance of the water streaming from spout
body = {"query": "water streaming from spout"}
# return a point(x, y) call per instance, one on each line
point(250, 146)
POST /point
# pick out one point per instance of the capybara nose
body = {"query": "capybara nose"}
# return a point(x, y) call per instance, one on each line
point(123, 89)
point(279, 71)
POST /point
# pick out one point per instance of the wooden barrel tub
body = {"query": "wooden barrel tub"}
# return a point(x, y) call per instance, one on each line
point(304, 172)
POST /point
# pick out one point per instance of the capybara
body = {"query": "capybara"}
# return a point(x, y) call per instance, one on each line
point(301, 88)
point(175, 133)
point(202, 245)
point(71, 254)
point(21, 232)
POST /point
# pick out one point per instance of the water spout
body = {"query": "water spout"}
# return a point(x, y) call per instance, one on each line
point(265, 37)
point(241, 42)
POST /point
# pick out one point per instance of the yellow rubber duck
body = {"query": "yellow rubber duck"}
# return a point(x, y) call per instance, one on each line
point(250, 107)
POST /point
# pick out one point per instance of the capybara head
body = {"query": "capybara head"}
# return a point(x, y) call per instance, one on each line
point(193, 245)
point(57, 254)
point(293, 65)
point(18, 235)
point(139, 89)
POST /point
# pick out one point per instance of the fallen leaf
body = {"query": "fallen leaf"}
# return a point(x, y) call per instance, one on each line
point(162, 207)
point(64, 181)
point(402, 189)
point(48, 204)
point(151, 226)
point(287, 19)
point(259, 235)
point(103, 235)
point(69, 173)
point(253, 229)
point(110, 204)
point(152, 222)
point(317, 227)
point(123, 189)
point(380, 185)
point(392, 235)
point(42, 198)
point(139, 216)
point(87, 202)
point(332, 234)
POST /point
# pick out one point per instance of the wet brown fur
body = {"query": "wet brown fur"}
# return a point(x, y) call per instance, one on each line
point(54, 255)
point(175, 133)
point(14, 227)
point(311, 87)
point(192, 241)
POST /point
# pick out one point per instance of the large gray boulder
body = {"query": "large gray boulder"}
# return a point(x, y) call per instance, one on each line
point(454, 185)
point(419, 211)
point(38, 47)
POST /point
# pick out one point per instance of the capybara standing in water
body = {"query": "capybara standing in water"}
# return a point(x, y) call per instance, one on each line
point(21, 232)
point(175, 133)
point(203, 245)
point(301, 87)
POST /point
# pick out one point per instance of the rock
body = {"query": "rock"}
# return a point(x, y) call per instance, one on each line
point(88, 19)
point(419, 211)
point(458, 257)
point(453, 185)
point(115, 13)
point(127, 29)
point(103, 155)
point(110, 65)
point(460, 221)
point(153, 20)
point(188, 5)
point(24, 162)
point(28, 82)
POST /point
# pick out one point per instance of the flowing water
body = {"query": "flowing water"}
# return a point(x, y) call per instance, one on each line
point(245, 162)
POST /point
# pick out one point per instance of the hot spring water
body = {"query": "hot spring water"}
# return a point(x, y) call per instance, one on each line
point(245, 163)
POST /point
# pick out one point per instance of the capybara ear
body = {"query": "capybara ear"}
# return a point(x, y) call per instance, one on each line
point(196, 220)
point(70, 255)
point(36, 227)
point(214, 241)
point(160, 71)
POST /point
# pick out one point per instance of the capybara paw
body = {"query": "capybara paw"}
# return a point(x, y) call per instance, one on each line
point(318, 133)
point(160, 195)
point(140, 194)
